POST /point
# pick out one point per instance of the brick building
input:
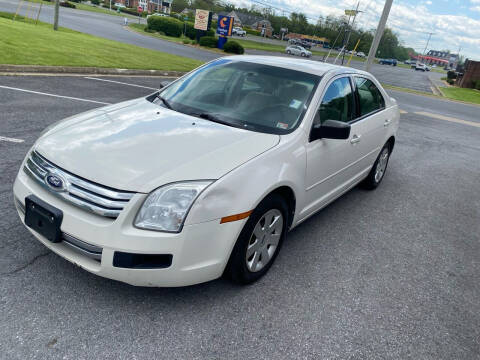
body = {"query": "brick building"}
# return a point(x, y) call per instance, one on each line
point(151, 6)
point(442, 58)
point(471, 74)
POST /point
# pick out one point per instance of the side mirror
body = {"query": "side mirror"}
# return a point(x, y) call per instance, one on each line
point(164, 83)
point(330, 129)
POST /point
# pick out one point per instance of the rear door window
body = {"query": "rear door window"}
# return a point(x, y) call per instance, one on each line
point(369, 96)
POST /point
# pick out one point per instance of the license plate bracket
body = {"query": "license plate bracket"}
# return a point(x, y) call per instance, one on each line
point(43, 218)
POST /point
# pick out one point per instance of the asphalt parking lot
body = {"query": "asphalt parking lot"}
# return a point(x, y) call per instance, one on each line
point(388, 274)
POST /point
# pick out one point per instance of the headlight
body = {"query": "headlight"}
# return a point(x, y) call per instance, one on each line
point(166, 208)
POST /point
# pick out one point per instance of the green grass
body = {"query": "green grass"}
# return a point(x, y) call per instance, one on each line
point(461, 94)
point(28, 44)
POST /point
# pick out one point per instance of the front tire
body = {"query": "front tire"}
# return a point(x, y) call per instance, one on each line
point(379, 168)
point(289, 52)
point(259, 242)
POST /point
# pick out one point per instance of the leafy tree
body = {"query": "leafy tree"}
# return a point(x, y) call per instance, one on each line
point(179, 5)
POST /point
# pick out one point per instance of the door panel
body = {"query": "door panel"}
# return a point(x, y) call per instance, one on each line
point(331, 164)
point(374, 121)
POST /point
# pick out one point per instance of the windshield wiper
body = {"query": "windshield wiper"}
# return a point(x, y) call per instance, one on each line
point(211, 117)
point(165, 101)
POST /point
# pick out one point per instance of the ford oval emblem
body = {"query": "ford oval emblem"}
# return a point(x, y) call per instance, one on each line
point(55, 182)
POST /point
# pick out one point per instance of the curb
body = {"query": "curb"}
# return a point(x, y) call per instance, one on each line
point(69, 70)
point(435, 88)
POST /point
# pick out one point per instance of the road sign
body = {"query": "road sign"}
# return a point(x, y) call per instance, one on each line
point(201, 19)
point(224, 25)
point(140, 9)
point(351, 12)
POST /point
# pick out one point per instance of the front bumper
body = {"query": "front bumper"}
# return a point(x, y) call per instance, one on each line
point(199, 253)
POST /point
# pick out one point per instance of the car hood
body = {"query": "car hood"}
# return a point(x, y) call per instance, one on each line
point(138, 146)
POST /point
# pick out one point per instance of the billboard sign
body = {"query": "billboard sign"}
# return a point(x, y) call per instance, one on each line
point(224, 25)
point(201, 19)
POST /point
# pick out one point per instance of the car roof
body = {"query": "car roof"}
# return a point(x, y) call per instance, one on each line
point(308, 66)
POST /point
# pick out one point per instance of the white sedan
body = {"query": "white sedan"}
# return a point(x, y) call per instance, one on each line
point(238, 31)
point(206, 176)
point(297, 50)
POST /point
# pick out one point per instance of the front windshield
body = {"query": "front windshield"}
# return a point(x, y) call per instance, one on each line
point(248, 95)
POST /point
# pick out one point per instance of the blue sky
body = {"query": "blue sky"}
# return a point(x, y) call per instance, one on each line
point(455, 23)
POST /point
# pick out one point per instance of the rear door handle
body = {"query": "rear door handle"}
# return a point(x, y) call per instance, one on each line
point(355, 139)
point(387, 122)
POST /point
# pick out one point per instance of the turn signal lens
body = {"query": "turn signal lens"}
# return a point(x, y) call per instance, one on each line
point(235, 217)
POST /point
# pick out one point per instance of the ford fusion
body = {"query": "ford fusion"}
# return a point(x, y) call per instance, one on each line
point(206, 176)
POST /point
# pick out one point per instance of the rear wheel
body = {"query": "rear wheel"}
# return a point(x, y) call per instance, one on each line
point(259, 242)
point(289, 52)
point(376, 174)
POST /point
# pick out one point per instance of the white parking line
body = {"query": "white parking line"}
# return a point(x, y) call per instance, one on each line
point(119, 82)
point(448, 118)
point(3, 138)
point(54, 95)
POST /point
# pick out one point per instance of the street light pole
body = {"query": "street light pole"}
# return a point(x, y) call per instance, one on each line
point(55, 16)
point(378, 34)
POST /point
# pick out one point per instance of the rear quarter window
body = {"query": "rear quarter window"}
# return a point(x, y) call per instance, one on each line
point(370, 97)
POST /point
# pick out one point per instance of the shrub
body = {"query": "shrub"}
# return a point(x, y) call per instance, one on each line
point(95, 2)
point(451, 74)
point(75, 1)
point(477, 84)
point(252, 32)
point(208, 41)
point(147, 29)
point(186, 41)
point(168, 25)
point(132, 11)
point(191, 32)
point(450, 81)
point(233, 47)
point(67, 5)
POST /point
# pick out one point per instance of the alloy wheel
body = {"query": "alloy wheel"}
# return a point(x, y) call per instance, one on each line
point(381, 165)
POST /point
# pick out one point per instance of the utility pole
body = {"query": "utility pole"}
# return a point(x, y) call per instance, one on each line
point(378, 34)
point(426, 46)
point(350, 32)
point(55, 16)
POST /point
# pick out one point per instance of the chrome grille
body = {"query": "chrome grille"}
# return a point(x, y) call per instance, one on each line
point(86, 249)
point(95, 198)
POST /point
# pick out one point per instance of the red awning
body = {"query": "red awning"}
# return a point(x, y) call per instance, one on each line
point(431, 58)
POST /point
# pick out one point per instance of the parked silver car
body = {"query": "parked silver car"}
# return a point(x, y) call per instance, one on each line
point(297, 50)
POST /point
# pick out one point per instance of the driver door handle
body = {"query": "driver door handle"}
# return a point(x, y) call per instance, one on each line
point(387, 122)
point(355, 139)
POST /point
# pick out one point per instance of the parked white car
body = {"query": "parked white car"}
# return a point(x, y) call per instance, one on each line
point(119, 5)
point(297, 50)
point(238, 31)
point(206, 176)
point(421, 67)
point(361, 54)
point(157, 14)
